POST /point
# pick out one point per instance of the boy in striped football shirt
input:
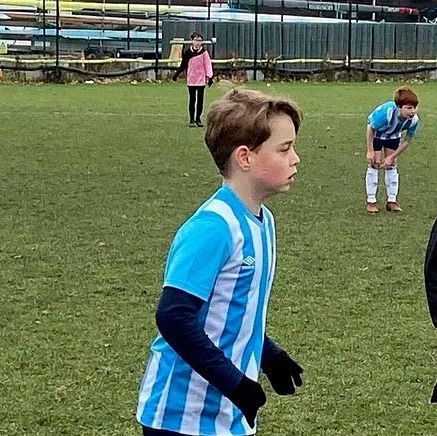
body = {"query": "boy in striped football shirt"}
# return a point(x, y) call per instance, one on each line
point(390, 128)
point(202, 375)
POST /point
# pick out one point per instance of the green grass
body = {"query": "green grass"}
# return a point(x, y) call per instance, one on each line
point(95, 180)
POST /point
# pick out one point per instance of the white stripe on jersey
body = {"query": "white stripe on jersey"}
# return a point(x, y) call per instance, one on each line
point(225, 416)
point(252, 367)
point(249, 317)
point(393, 123)
point(271, 242)
point(194, 404)
point(148, 382)
point(157, 420)
point(215, 321)
point(395, 131)
point(222, 296)
point(223, 425)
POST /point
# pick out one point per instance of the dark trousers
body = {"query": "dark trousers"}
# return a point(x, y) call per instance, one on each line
point(195, 105)
point(147, 431)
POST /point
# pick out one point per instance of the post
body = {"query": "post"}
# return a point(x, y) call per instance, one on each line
point(282, 27)
point(128, 24)
point(58, 23)
point(103, 15)
point(209, 10)
point(255, 44)
point(349, 38)
point(44, 27)
point(156, 39)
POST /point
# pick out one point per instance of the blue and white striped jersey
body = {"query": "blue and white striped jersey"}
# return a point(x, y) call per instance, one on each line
point(387, 123)
point(226, 256)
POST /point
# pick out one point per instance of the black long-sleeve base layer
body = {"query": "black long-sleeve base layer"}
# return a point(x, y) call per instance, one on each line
point(178, 323)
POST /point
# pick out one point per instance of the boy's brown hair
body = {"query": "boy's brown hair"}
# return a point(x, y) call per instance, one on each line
point(241, 117)
point(405, 96)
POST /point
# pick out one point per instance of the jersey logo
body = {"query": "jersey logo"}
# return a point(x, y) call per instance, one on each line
point(248, 261)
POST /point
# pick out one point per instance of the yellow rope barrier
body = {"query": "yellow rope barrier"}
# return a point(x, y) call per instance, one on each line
point(64, 60)
point(78, 6)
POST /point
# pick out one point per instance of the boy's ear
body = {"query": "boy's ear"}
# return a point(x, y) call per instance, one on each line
point(242, 157)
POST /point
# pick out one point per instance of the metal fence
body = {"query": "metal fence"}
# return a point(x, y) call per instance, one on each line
point(385, 47)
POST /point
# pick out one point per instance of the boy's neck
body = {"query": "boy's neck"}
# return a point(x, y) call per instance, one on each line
point(247, 195)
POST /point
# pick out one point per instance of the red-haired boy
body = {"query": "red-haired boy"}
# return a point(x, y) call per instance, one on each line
point(390, 128)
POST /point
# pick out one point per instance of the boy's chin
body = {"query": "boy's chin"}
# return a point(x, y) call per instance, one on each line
point(285, 188)
point(278, 189)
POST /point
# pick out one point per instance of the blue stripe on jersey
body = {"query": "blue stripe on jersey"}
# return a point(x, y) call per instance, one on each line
point(255, 344)
point(237, 426)
point(151, 405)
point(234, 317)
point(206, 254)
point(256, 339)
point(143, 386)
point(174, 410)
point(271, 246)
point(211, 408)
point(392, 126)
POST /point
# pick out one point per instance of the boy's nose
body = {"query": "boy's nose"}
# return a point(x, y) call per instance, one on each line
point(295, 159)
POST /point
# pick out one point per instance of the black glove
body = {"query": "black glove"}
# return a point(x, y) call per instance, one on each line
point(434, 394)
point(248, 396)
point(284, 374)
point(210, 82)
point(175, 77)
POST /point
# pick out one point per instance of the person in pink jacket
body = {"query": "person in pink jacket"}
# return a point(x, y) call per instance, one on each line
point(196, 60)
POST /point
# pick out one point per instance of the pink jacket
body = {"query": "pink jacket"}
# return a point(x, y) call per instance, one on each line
point(199, 69)
point(198, 65)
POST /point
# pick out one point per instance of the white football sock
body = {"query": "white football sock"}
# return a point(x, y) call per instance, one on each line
point(371, 184)
point(392, 183)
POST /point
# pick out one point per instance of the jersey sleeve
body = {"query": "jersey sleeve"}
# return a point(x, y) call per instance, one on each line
point(198, 253)
point(378, 118)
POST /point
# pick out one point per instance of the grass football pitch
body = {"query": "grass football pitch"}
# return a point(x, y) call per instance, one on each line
point(96, 179)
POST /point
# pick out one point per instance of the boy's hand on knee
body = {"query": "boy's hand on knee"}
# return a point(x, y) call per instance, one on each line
point(388, 161)
point(248, 397)
point(370, 156)
point(284, 374)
